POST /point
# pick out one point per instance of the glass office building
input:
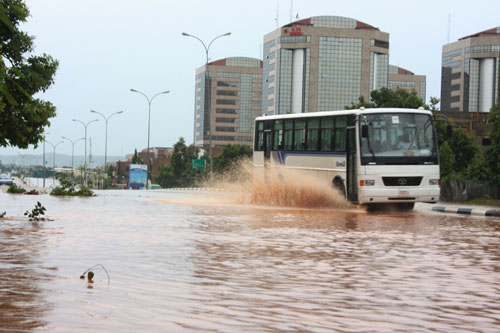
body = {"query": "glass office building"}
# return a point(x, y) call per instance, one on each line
point(228, 97)
point(400, 78)
point(470, 71)
point(322, 63)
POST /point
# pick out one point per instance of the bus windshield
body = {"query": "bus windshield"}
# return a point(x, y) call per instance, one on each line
point(397, 138)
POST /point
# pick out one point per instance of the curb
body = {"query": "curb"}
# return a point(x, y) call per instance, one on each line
point(467, 211)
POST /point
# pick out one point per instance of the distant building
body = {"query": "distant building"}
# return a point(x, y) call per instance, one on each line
point(322, 63)
point(235, 99)
point(404, 79)
point(470, 71)
point(158, 155)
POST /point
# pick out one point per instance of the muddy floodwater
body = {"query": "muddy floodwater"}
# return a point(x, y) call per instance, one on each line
point(191, 261)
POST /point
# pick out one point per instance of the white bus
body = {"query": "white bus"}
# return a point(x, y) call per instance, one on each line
point(372, 156)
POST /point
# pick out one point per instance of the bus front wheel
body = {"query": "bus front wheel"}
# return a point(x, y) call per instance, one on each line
point(338, 184)
point(405, 206)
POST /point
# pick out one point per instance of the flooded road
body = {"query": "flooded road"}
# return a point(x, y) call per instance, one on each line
point(182, 261)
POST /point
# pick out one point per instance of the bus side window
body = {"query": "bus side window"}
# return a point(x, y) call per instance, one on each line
point(259, 142)
point(300, 134)
point(340, 133)
point(278, 135)
point(288, 135)
point(326, 136)
point(312, 134)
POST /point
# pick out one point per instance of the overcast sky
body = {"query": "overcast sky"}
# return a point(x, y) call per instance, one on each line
point(106, 47)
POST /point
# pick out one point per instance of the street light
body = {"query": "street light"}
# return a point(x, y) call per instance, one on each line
point(149, 121)
point(207, 106)
point(54, 160)
point(72, 151)
point(43, 164)
point(85, 157)
point(23, 162)
point(106, 140)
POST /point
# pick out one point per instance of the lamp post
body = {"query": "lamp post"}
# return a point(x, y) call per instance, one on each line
point(72, 151)
point(106, 139)
point(54, 160)
point(85, 157)
point(150, 100)
point(43, 163)
point(23, 162)
point(208, 93)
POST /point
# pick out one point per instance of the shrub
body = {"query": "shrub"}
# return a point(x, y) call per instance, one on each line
point(35, 214)
point(15, 189)
point(66, 188)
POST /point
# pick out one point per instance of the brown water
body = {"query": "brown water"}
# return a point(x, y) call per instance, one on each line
point(182, 261)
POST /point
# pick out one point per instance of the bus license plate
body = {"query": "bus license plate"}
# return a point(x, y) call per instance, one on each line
point(404, 192)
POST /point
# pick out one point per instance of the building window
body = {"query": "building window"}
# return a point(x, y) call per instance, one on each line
point(339, 72)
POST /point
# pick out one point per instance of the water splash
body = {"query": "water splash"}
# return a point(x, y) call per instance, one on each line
point(281, 187)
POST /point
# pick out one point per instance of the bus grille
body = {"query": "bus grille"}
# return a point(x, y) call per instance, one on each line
point(402, 181)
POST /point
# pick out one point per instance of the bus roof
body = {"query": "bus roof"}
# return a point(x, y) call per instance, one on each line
point(343, 113)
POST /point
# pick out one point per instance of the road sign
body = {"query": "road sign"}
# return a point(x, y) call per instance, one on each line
point(198, 164)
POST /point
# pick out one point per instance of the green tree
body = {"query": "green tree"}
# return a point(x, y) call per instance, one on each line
point(399, 98)
point(361, 103)
point(445, 162)
point(22, 75)
point(136, 159)
point(231, 155)
point(434, 101)
point(492, 154)
point(166, 176)
point(388, 98)
point(478, 169)
point(464, 150)
point(179, 172)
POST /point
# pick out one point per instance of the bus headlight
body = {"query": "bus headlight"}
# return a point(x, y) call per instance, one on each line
point(434, 181)
point(368, 182)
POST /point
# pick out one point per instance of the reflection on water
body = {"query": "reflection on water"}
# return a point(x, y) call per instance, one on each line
point(22, 272)
point(200, 262)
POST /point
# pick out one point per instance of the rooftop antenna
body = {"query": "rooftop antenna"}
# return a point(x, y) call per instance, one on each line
point(291, 11)
point(449, 27)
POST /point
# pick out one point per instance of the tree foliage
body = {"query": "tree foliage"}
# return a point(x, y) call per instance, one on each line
point(464, 150)
point(137, 159)
point(492, 154)
point(179, 173)
point(22, 75)
point(388, 98)
point(445, 161)
point(230, 156)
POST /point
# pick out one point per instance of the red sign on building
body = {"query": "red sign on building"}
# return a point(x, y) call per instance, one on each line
point(296, 31)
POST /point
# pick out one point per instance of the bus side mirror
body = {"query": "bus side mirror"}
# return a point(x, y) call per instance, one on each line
point(364, 131)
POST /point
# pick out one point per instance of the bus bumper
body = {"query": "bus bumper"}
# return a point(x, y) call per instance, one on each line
point(398, 195)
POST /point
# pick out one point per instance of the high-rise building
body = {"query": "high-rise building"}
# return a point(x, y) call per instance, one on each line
point(322, 63)
point(404, 79)
point(470, 71)
point(232, 88)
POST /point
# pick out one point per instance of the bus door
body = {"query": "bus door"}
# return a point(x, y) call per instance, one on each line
point(352, 158)
point(267, 145)
point(267, 149)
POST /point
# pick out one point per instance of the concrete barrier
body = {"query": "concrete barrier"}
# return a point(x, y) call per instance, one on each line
point(467, 211)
